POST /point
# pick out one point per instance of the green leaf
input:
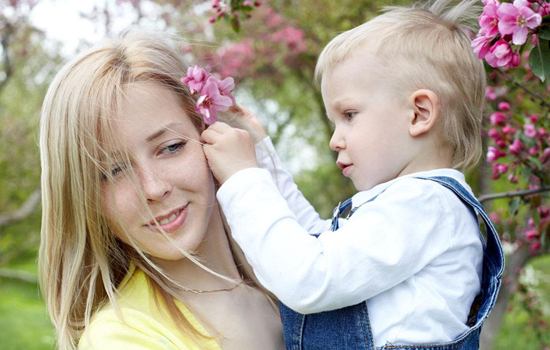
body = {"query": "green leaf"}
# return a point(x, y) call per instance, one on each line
point(539, 60)
point(544, 33)
point(514, 205)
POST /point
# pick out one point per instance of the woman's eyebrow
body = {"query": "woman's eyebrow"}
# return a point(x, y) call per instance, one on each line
point(160, 132)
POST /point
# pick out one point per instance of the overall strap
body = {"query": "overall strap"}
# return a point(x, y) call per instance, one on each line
point(493, 256)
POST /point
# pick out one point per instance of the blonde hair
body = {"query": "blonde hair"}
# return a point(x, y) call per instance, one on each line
point(426, 47)
point(81, 262)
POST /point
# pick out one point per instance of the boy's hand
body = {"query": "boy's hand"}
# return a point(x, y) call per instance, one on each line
point(250, 119)
point(228, 150)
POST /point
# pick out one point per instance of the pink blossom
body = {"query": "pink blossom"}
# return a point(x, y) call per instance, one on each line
point(501, 54)
point(533, 150)
point(492, 154)
point(504, 106)
point(501, 143)
point(502, 168)
point(226, 86)
point(545, 155)
point(292, 37)
point(516, 19)
point(196, 79)
point(247, 3)
point(543, 9)
point(507, 129)
point(211, 101)
point(494, 134)
point(494, 217)
point(534, 118)
point(516, 147)
point(490, 93)
point(481, 45)
point(497, 118)
point(488, 20)
point(529, 130)
point(541, 132)
point(531, 234)
point(513, 178)
point(534, 247)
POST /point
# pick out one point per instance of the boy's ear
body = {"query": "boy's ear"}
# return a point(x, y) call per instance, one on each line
point(425, 105)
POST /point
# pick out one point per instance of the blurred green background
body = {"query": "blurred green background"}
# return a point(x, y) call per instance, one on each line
point(38, 36)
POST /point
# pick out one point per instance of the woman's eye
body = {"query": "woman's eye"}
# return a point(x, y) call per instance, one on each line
point(115, 170)
point(173, 148)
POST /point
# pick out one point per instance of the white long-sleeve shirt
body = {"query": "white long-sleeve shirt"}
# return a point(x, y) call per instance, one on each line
point(414, 253)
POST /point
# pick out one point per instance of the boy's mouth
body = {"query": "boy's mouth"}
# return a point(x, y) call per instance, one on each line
point(345, 167)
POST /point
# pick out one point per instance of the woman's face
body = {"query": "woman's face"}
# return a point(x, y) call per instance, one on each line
point(172, 174)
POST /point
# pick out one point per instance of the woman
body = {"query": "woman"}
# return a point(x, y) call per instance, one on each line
point(135, 253)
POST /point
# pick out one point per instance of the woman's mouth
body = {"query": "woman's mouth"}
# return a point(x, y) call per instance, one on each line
point(170, 222)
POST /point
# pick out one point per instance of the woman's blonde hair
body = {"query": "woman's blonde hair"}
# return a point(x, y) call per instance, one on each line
point(426, 47)
point(81, 262)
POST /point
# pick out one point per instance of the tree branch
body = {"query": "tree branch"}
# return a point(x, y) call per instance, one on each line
point(23, 212)
point(20, 275)
point(524, 88)
point(522, 193)
point(8, 67)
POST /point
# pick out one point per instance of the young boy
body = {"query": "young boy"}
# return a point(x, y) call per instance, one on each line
point(405, 93)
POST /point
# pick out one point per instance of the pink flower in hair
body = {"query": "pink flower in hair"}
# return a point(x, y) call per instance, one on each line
point(517, 19)
point(226, 86)
point(196, 79)
point(211, 101)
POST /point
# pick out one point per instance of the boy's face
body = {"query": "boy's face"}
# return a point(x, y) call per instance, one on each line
point(371, 131)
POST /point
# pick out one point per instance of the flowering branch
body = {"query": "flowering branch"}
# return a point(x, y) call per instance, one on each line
point(510, 194)
point(523, 87)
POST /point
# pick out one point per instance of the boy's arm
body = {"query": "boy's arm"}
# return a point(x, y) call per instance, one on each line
point(306, 214)
point(267, 158)
point(377, 249)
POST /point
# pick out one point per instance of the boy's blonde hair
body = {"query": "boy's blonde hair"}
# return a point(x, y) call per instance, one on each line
point(426, 47)
point(81, 262)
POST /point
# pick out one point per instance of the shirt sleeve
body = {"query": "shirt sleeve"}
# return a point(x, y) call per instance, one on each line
point(138, 332)
point(382, 244)
point(305, 213)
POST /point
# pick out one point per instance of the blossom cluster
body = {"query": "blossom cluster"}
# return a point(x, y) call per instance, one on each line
point(214, 95)
point(232, 10)
point(504, 27)
point(516, 138)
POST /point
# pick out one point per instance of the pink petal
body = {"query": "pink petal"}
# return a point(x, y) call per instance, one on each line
point(520, 36)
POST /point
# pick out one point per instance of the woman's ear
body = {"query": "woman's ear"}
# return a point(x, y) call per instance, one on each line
point(425, 105)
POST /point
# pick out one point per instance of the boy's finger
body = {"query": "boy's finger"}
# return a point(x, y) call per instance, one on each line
point(209, 136)
point(219, 127)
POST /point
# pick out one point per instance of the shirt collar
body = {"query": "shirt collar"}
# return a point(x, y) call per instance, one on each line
point(363, 196)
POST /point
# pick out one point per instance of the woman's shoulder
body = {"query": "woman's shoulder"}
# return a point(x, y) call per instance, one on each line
point(138, 323)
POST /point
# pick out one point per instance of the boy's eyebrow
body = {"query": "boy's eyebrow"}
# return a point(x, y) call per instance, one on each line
point(160, 132)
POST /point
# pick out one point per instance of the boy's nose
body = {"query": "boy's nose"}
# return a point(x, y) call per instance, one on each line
point(336, 141)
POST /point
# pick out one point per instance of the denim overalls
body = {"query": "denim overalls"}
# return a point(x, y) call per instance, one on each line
point(349, 327)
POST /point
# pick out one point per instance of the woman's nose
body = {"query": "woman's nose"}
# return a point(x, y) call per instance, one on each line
point(155, 186)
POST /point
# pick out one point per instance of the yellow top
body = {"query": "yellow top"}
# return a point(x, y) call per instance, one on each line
point(145, 327)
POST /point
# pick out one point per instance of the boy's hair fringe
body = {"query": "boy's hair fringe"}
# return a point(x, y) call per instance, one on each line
point(426, 46)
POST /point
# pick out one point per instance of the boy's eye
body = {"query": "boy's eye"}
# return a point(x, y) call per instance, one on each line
point(173, 148)
point(350, 115)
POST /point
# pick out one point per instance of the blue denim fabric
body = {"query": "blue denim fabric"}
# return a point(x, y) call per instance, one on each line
point(349, 327)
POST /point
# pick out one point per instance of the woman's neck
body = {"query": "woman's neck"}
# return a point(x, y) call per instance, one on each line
point(214, 253)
